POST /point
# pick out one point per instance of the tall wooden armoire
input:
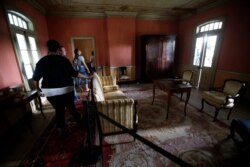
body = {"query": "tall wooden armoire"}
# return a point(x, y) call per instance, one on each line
point(157, 57)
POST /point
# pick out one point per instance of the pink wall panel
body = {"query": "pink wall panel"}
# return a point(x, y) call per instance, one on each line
point(116, 38)
point(234, 52)
point(121, 39)
point(63, 28)
point(163, 27)
point(9, 73)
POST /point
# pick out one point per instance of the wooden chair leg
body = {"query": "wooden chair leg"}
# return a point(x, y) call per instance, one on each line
point(202, 105)
point(181, 96)
point(230, 111)
point(216, 113)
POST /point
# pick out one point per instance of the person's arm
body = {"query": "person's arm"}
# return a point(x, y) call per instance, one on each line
point(84, 64)
point(83, 76)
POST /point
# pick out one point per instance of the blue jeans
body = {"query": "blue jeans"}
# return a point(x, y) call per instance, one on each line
point(83, 71)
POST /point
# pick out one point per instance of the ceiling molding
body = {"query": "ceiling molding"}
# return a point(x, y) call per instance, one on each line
point(139, 9)
point(36, 5)
point(124, 14)
point(206, 8)
point(155, 17)
point(79, 14)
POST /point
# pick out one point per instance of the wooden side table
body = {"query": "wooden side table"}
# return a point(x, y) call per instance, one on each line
point(171, 87)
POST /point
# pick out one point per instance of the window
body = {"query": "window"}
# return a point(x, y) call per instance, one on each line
point(210, 26)
point(206, 43)
point(25, 42)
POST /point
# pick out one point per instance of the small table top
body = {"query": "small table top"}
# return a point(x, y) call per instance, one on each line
point(171, 84)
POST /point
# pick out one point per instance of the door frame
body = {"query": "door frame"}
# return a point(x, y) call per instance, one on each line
point(196, 76)
point(93, 47)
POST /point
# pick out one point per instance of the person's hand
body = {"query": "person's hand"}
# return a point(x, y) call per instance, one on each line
point(91, 76)
point(40, 93)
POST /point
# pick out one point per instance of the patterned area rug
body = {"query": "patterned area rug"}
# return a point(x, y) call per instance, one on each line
point(54, 150)
point(194, 138)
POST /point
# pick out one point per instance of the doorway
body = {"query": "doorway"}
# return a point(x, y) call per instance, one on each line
point(206, 51)
point(87, 46)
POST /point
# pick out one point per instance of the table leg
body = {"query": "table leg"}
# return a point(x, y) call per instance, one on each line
point(153, 93)
point(186, 102)
point(41, 106)
point(169, 102)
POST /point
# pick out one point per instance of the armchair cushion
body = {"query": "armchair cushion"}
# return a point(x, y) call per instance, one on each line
point(115, 95)
point(110, 88)
point(217, 99)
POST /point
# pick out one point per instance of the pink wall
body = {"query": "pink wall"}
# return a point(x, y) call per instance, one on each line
point(144, 27)
point(9, 73)
point(234, 52)
point(63, 28)
point(121, 39)
point(115, 37)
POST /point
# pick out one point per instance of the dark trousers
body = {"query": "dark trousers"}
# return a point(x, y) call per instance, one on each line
point(60, 103)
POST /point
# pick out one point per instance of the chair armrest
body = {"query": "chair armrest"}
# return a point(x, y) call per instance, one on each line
point(120, 110)
point(232, 97)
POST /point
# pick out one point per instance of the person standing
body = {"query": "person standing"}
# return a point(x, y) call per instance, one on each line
point(92, 62)
point(80, 65)
point(62, 50)
point(57, 74)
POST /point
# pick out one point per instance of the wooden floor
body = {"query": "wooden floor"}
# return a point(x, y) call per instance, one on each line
point(20, 141)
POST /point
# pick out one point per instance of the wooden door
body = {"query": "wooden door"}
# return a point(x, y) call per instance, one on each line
point(205, 60)
point(85, 44)
point(206, 52)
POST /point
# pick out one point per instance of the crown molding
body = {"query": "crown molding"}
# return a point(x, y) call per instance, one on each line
point(36, 5)
point(79, 14)
point(155, 17)
point(206, 8)
point(124, 14)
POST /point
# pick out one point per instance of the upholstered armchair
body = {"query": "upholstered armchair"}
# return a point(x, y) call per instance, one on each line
point(224, 97)
point(187, 76)
point(112, 102)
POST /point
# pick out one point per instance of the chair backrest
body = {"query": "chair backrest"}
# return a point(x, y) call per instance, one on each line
point(233, 86)
point(187, 76)
point(123, 70)
point(123, 74)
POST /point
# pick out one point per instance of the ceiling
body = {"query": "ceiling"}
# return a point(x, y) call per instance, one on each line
point(139, 8)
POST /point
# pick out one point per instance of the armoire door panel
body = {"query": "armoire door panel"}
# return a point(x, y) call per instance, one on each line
point(157, 56)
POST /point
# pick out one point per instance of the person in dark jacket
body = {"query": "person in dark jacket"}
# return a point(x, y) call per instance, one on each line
point(57, 74)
